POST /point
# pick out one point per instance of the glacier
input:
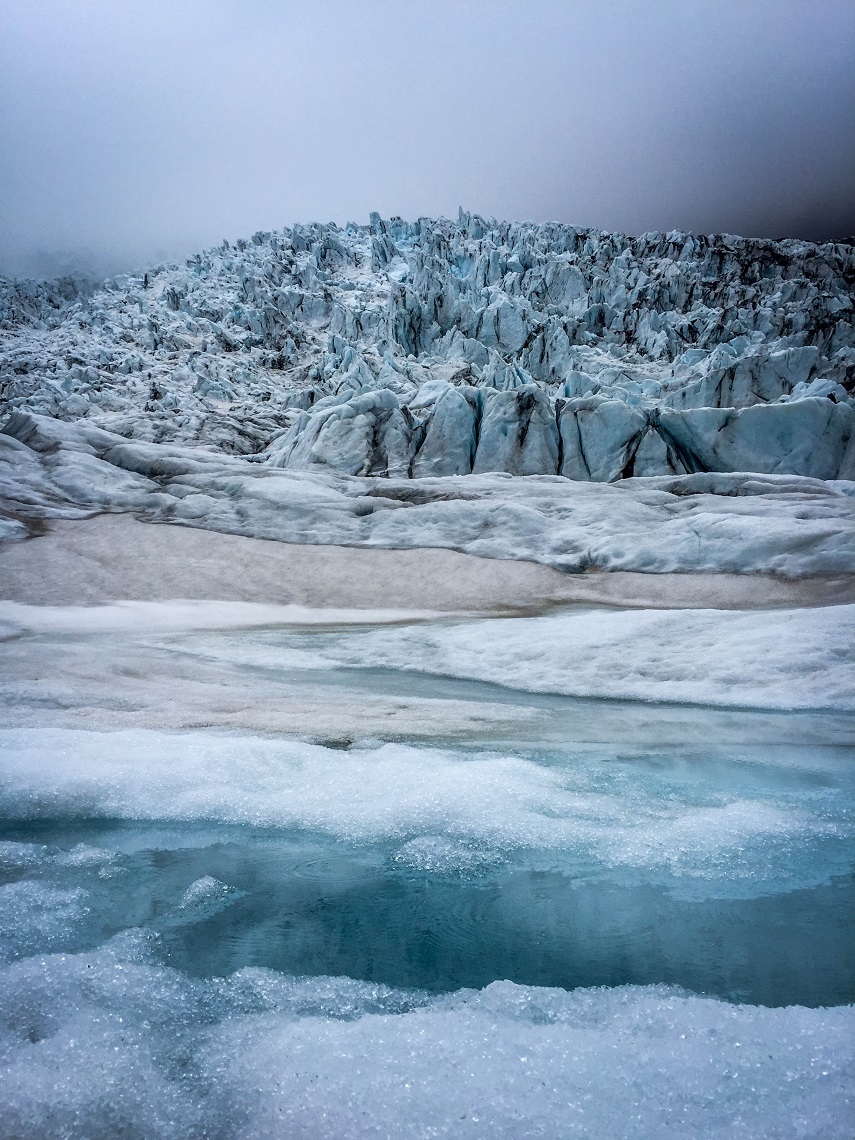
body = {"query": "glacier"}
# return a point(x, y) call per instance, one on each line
point(426, 700)
point(448, 347)
point(671, 402)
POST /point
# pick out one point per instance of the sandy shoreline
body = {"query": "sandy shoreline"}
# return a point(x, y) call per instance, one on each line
point(114, 557)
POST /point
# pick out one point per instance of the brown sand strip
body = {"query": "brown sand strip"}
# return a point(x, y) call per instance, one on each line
point(115, 557)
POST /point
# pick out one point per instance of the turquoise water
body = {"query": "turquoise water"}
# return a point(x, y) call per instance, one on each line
point(495, 930)
point(309, 905)
point(724, 869)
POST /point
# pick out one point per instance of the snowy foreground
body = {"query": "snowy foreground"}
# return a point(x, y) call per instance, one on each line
point(186, 909)
point(427, 690)
point(151, 1052)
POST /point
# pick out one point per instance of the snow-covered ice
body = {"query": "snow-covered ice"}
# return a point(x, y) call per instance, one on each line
point(787, 659)
point(791, 526)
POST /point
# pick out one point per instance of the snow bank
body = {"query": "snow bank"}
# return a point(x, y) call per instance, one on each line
point(785, 659)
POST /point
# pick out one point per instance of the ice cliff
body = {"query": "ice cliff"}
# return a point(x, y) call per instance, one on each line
point(442, 348)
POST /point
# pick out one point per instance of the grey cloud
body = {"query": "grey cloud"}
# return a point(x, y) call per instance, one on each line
point(135, 131)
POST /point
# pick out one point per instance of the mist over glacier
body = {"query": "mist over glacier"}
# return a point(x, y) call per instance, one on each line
point(175, 124)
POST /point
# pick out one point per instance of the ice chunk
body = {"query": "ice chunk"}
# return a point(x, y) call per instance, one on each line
point(202, 899)
point(36, 916)
point(438, 855)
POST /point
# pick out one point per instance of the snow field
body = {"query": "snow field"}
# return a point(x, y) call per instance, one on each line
point(775, 659)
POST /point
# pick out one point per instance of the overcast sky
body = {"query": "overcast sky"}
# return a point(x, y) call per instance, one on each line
point(132, 130)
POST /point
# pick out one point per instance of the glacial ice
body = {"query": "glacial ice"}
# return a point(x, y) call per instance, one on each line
point(434, 348)
point(743, 523)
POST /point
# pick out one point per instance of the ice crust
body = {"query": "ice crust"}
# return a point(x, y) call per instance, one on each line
point(790, 659)
point(153, 617)
point(776, 659)
point(773, 659)
point(276, 679)
point(110, 1043)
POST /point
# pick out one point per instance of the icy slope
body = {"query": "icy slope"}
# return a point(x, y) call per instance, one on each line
point(439, 348)
point(787, 525)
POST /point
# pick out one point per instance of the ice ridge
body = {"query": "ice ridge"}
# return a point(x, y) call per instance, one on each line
point(441, 347)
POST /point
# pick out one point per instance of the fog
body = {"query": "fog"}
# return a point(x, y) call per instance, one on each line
point(143, 130)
